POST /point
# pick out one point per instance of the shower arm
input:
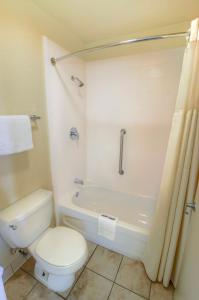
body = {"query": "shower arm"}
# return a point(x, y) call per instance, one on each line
point(186, 34)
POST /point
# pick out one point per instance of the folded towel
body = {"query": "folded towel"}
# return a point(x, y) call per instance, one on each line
point(15, 134)
point(107, 226)
point(2, 291)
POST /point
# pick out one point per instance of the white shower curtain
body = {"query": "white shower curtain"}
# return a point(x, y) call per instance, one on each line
point(164, 250)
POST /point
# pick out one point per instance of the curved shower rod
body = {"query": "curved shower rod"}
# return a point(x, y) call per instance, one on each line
point(54, 60)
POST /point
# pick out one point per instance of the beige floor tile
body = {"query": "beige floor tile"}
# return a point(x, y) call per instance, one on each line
point(18, 262)
point(105, 262)
point(19, 285)
point(120, 293)
point(40, 292)
point(132, 276)
point(91, 286)
point(158, 292)
point(29, 266)
point(91, 248)
point(65, 293)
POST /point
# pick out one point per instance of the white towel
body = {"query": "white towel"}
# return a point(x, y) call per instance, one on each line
point(15, 134)
point(107, 226)
point(2, 291)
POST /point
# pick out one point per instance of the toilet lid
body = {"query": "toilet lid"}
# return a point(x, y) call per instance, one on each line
point(61, 246)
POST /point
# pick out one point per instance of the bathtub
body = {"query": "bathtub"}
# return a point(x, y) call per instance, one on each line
point(80, 211)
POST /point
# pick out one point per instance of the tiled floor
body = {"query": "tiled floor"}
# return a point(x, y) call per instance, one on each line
point(106, 276)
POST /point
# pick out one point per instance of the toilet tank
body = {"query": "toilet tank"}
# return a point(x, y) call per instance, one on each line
point(22, 222)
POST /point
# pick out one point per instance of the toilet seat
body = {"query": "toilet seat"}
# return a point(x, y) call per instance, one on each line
point(61, 251)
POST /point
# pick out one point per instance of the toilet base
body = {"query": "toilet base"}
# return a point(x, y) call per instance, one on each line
point(56, 283)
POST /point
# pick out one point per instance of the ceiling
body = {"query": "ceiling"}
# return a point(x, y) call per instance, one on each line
point(97, 20)
point(76, 24)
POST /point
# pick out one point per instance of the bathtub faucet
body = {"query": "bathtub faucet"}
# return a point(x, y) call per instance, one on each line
point(78, 181)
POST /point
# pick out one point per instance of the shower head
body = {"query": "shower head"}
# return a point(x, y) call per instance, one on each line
point(77, 81)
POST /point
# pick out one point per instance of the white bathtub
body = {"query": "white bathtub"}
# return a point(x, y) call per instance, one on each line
point(80, 211)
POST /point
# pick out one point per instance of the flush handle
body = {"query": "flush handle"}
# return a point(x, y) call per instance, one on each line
point(13, 227)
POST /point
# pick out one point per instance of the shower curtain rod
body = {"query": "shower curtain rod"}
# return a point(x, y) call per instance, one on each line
point(54, 60)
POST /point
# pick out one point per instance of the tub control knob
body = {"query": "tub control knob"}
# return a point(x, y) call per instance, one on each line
point(74, 134)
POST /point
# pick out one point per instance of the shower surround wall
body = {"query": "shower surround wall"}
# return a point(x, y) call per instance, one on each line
point(66, 106)
point(135, 92)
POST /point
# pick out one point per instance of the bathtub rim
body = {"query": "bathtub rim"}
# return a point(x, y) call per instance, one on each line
point(66, 203)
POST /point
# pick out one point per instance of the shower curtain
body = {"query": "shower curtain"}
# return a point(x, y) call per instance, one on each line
point(180, 185)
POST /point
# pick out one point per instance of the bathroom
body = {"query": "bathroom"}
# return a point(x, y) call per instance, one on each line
point(102, 175)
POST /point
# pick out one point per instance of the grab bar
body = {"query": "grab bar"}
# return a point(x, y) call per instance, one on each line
point(122, 133)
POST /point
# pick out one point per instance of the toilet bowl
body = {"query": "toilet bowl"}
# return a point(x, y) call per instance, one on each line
point(59, 252)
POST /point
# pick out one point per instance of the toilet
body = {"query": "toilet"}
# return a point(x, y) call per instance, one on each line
point(59, 252)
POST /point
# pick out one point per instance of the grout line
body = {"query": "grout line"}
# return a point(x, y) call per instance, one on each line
point(30, 275)
point(92, 272)
point(84, 267)
point(36, 283)
point(76, 280)
point(59, 295)
point(115, 277)
point(110, 291)
point(143, 297)
point(99, 274)
point(113, 280)
point(91, 255)
point(12, 269)
point(150, 291)
point(128, 288)
point(118, 268)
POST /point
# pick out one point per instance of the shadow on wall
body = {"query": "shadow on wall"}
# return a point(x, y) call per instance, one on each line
point(11, 185)
point(18, 174)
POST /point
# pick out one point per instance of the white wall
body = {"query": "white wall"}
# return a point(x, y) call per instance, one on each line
point(66, 106)
point(137, 93)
